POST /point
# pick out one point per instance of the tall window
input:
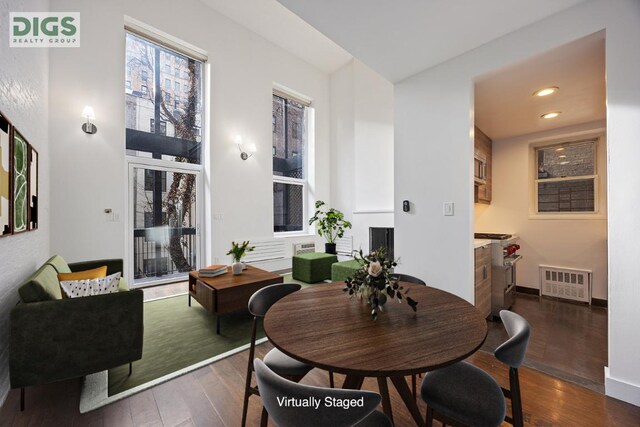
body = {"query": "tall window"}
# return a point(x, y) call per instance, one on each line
point(290, 134)
point(149, 99)
point(566, 178)
point(164, 150)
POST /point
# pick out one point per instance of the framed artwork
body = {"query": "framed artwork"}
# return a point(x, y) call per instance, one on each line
point(33, 188)
point(6, 198)
point(20, 183)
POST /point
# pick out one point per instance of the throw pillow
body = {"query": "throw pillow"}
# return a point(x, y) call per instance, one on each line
point(95, 273)
point(90, 287)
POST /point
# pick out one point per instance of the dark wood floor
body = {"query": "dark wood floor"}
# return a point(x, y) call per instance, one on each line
point(568, 340)
point(212, 396)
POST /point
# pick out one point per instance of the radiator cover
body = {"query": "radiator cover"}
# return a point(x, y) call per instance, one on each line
point(567, 283)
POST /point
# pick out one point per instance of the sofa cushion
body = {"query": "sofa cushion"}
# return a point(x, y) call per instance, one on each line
point(43, 285)
point(59, 264)
point(123, 286)
point(94, 273)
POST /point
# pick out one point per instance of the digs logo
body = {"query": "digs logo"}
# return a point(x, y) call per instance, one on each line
point(44, 29)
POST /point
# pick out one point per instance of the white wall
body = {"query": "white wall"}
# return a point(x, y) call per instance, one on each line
point(572, 243)
point(23, 100)
point(434, 149)
point(362, 149)
point(89, 170)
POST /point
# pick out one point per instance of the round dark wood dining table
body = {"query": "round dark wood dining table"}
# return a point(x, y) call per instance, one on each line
point(321, 326)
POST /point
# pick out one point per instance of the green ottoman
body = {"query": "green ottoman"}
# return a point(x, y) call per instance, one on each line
point(313, 267)
point(341, 270)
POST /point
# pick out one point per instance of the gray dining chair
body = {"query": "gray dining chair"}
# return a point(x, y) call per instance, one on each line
point(279, 362)
point(407, 278)
point(464, 394)
point(275, 388)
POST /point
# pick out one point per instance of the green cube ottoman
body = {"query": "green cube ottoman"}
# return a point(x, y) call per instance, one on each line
point(313, 267)
point(341, 270)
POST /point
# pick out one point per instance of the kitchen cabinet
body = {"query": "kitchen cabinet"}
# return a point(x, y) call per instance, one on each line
point(482, 282)
point(482, 146)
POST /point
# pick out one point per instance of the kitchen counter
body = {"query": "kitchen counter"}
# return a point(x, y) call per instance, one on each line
point(478, 243)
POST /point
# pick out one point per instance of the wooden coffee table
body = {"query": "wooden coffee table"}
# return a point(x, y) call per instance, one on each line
point(227, 293)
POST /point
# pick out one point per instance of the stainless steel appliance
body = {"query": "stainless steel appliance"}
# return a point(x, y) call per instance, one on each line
point(479, 169)
point(504, 257)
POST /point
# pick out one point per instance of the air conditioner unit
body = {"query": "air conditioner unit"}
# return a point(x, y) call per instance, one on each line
point(304, 248)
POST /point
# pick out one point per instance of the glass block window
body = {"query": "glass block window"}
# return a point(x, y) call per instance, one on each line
point(566, 178)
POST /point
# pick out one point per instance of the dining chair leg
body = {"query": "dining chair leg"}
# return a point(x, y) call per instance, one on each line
point(429, 417)
point(247, 384)
point(264, 419)
point(516, 401)
point(130, 368)
point(331, 382)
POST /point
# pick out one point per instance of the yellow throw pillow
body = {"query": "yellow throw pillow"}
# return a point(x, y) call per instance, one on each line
point(96, 273)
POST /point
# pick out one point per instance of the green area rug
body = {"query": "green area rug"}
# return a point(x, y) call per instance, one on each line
point(176, 337)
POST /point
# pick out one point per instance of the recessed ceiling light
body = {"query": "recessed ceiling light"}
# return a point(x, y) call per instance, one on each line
point(551, 115)
point(546, 91)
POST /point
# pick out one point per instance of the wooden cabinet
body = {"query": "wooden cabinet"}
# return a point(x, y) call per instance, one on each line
point(482, 146)
point(482, 280)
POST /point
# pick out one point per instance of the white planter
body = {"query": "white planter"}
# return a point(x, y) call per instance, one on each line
point(236, 268)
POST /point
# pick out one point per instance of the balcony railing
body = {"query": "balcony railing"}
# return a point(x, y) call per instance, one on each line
point(152, 256)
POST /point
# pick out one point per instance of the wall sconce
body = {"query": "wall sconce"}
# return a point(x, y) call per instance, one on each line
point(87, 113)
point(245, 152)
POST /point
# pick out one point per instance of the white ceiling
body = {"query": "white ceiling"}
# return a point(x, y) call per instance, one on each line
point(274, 22)
point(403, 37)
point(505, 108)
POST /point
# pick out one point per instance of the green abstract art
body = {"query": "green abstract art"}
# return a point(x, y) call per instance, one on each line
point(20, 187)
point(5, 166)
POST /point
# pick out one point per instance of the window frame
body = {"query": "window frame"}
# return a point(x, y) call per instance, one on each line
point(597, 212)
point(304, 182)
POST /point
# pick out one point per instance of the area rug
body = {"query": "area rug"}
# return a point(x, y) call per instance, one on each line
point(177, 339)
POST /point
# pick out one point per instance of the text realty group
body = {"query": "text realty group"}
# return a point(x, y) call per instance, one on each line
point(45, 29)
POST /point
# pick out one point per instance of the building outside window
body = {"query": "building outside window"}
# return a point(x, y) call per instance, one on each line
point(566, 178)
point(289, 163)
point(177, 87)
point(167, 84)
point(144, 89)
point(143, 75)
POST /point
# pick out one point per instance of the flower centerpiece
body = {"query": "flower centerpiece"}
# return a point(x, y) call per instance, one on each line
point(375, 284)
point(237, 251)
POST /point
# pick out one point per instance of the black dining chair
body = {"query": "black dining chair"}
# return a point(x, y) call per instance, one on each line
point(277, 361)
point(277, 392)
point(464, 394)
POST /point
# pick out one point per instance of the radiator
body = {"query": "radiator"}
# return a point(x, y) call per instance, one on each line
point(567, 283)
point(304, 248)
point(344, 245)
point(265, 250)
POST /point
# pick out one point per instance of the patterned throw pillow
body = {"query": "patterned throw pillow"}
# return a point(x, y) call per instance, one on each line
point(86, 288)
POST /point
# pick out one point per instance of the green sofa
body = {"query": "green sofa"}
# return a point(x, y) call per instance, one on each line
point(54, 339)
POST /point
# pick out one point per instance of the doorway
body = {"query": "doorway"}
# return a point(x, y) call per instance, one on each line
point(544, 121)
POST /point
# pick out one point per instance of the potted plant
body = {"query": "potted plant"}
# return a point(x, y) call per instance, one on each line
point(331, 225)
point(237, 251)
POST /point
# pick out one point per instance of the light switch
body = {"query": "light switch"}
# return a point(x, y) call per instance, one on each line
point(448, 209)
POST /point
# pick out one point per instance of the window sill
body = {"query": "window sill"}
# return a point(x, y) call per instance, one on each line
point(285, 234)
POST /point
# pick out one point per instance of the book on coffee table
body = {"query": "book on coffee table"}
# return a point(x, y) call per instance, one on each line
point(213, 270)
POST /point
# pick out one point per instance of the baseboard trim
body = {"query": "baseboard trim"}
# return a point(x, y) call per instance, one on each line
point(597, 302)
point(525, 290)
point(620, 389)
